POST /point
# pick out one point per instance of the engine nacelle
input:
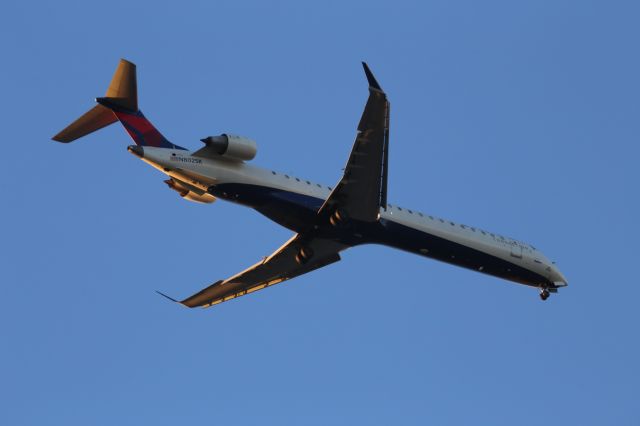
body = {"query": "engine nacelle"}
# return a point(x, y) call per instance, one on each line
point(232, 146)
point(188, 194)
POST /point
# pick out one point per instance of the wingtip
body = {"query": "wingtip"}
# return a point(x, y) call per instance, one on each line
point(127, 61)
point(373, 83)
point(168, 297)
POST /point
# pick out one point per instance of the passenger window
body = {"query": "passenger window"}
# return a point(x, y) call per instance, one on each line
point(319, 186)
point(287, 176)
point(308, 183)
point(420, 214)
point(410, 212)
point(273, 172)
point(298, 179)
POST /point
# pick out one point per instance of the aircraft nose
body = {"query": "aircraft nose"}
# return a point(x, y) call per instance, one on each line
point(136, 150)
point(557, 277)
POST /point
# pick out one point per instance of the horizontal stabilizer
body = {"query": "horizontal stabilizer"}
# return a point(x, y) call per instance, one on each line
point(94, 119)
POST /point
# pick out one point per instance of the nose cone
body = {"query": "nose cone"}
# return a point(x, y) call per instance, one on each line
point(557, 277)
point(136, 150)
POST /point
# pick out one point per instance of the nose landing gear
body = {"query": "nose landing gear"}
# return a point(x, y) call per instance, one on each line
point(544, 294)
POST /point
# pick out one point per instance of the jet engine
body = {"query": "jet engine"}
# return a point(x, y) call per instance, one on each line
point(190, 193)
point(236, 147)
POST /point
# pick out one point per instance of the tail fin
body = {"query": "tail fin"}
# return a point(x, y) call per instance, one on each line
point(120, 103)
point(123, 89)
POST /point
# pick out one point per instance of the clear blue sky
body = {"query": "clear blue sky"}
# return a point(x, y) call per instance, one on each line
point(518, 117)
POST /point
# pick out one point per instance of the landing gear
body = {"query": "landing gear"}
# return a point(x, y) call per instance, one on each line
point(303, 255)
point(338, 218)
point(544, 294)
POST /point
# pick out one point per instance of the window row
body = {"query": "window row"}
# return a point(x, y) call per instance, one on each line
point(465, 227)
point(298, 180)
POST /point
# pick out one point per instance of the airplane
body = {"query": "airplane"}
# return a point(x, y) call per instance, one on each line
point(326, 220)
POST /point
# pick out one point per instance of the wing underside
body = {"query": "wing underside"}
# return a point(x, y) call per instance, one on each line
point(282, 265)
point(362, 191)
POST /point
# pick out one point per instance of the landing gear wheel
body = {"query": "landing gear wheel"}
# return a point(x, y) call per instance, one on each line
point(544, 294)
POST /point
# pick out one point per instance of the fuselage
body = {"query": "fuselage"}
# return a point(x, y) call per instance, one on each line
point(293, 203)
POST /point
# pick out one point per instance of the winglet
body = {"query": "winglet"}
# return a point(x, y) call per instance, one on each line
point(168, 297)
point(372, 80)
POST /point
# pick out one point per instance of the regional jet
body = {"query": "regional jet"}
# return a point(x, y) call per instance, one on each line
point(325, 220)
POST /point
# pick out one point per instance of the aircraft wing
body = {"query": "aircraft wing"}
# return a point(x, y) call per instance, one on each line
point(280, 266)
point(362, 191)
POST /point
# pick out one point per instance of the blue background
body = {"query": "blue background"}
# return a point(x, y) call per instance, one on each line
point(520, 117)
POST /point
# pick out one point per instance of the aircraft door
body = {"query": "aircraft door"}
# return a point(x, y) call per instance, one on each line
point(516, 250)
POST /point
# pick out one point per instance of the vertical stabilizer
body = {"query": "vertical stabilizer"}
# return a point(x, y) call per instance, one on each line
point(119, 103)
point(123, 89)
